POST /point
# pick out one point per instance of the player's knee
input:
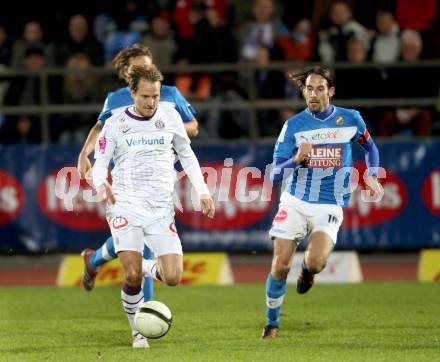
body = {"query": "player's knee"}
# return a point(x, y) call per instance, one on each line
point(315, 263)
point(173, 277)
point(281, 268)
point(133, 277)
point(173, 280)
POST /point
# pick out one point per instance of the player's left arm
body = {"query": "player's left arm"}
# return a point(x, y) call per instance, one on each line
point(372, 159)
point(191, 167)
point(187, 113)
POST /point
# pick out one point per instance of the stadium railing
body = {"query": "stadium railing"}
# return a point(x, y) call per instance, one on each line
point(246, 71)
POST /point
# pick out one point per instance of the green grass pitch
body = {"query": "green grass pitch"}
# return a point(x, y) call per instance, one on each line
point(398, 321)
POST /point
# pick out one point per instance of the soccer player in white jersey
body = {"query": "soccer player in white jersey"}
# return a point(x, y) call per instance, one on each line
point(315, 146)
point(116, 100)
point(141, 140)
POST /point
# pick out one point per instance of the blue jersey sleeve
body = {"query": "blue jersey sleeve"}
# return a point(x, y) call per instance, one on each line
point(106, 112)
point(285, 145)
point(362, 134)
point(186, 110)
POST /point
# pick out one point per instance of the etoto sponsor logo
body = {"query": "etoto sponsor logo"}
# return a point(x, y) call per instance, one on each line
point(11, 197)
point(364, 214)
point(324, 136)
point(76, 209)
point(242, 197)
point(431, 192)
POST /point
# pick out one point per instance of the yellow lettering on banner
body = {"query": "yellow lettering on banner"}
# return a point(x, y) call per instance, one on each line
point(199, 268)
point(206, 268)
point(429, 265)
point(71, 269)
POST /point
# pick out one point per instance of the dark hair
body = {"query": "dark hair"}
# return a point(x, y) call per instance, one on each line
point(137, 73)
point(122, 59)
point(300, 78)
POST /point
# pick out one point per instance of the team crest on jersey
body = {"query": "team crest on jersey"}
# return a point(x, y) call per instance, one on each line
point(340, 121)
point(159, 124)
point(123, 124)
point(119, 222)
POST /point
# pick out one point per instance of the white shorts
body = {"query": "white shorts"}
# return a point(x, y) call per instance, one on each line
point(297, 219)
point(130, 231)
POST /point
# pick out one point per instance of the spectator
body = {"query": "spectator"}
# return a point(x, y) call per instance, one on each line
point(21, 129)
point(32, 38)
point(406, 121)
point(80, 87)
point(181, 18)
point(222, 29)
point(6, 45)
point(371, 79)
point(416, 15)
point(262, 30)
point(130, 25)
point(432, 37)
point(160, 40)
point(79, 40)
point(386, 43)
point(333, 41)
point(203, 47)
point(270, 84)
point(26, 90)
point(419, 82)
point(298, 43)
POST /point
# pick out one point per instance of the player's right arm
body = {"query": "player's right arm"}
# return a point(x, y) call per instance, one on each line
point(284, 159)
point(84, 164)
point(104, 150)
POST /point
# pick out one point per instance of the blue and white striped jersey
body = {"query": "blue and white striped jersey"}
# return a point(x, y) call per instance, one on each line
point(326, 179)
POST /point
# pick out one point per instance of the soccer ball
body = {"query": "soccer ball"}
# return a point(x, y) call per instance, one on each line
point(153, 319)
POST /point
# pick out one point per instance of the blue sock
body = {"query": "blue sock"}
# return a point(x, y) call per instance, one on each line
point(105, 253)
point(275, 291)
point(148, 281)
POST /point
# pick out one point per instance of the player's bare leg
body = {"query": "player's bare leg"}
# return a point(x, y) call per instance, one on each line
point(276, 284)
point(131, 292)
point(318, 250)
point(170, 268)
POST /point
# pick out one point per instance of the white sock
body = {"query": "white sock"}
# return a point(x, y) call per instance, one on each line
point(149, 269)
point(131, 300)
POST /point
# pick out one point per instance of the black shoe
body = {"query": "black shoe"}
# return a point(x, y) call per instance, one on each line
point(305, 282)
point(270, 332)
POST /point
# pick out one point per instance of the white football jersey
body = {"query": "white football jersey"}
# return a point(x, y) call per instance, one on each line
point(143, 152)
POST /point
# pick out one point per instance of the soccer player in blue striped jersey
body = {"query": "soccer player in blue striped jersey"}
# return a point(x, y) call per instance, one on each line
point(313, 152)
point(137, 55)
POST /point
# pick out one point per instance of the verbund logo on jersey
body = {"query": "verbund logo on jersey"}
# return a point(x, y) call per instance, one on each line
point(431, 192)
point(84, 215)
point(11, 198)
point(364, 214)
point(325, 157)
point(241, 198)
point(142, 141)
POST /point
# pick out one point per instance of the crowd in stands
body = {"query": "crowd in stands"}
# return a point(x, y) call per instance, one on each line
point(387, 32)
